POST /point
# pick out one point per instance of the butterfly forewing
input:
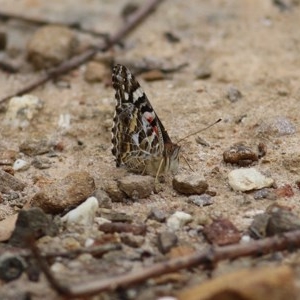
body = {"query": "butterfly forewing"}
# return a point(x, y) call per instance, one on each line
point(139, 138)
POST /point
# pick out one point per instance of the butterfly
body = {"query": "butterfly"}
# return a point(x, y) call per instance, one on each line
point(140, 141)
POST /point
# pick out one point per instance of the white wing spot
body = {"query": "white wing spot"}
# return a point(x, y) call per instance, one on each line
point(137, 94)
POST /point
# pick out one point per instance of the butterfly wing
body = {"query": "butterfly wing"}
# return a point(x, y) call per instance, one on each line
point(138, 134)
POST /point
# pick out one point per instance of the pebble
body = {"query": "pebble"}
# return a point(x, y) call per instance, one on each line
point(240, 155)
point(131, 240)
point(32, 222)
point(21, 165)
point(285, 191)
point(35, 146)
point(41, 163)
point(22, 110)
point(64, 193)
point(222, 232)
point(281, 220)
point(9, 183)
point(153, 75)
point(83, 214)
point(258, 227)
point(178, 220)
point(95, 72)
point(203, 72)
point(265, 193)
point(51, 45)
point(233, 94)
point(7, 157)
point(248, 179)
point(157, 215)
point(104, 200)
point(64, 121)
point(278, 126)
point(137, 186)
point(113, 191)
point(202, 200)
point(166, 241)
point(193, 184)
point(123, 227)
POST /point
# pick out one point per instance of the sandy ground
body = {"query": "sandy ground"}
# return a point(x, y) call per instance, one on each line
point(251, 45)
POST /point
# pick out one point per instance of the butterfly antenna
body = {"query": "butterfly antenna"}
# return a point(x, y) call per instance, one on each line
point(193, 133)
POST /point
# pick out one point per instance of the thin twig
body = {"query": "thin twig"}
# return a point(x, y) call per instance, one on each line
point(78, 60)
point(287, 241)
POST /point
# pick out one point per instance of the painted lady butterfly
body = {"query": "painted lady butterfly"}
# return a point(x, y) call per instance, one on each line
point(140, 141)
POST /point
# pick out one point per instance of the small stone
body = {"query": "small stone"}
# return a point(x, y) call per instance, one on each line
point(178, 220)
point(166, 241)
point(103, 199)
point(65, 193)
point(157, 215)
point(136, 186)
point(278, 126)
point(95, 72)
point(285, 191)
point(32, 223)
point(22, 110)
point(41, 163)
point(113, 191)
point(116, 216)
point(34, 147)
point(247, 284)
point(83, 214)
point(11, 267)
point(51, 45)
point(281, 220)
point(233, 94)
point(190, 184)
point(123, 227)
point(240, 155)
point(258, 227)
point(153, 75)
point(202, 200)
point(222, 232)
point(21, 165)
point(265, 194)
point(9, 182)
point(203, 72)
point(7, 157)
point(248, 179)
point(131, 240)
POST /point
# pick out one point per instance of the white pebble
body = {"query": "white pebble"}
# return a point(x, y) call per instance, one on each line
point(83, 214)
point(178, 220)
point(64, 121)
point(245, 239)
point(21, 110)
point(20, 165)
point(89, 242)
point(248, 179)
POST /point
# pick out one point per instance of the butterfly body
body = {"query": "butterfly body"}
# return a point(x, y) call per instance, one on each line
point(140, 141)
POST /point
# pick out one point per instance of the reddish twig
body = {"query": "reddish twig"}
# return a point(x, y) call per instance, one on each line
point(287, 241)
point(78, 60)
